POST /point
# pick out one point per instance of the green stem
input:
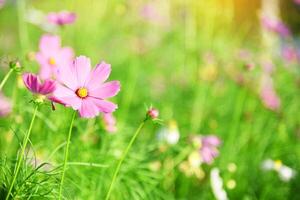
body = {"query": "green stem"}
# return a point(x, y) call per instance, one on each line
point(66, 155)
point(123, 158)
point(19, 162)
point(5, 78)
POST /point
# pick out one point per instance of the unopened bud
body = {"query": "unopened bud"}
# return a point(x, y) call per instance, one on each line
point(153, 113)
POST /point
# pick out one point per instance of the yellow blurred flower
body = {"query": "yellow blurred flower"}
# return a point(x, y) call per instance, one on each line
point(231, 167)
point(155, 166)
point(189, 171)
point(231, 184)
point(208, 72)
point(30, 56)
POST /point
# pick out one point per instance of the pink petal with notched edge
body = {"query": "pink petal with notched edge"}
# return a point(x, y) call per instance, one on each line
point(45, 68)
point(207, 157)
point(31, 82)
point(82, 67)
point(47, 87)
point(67, 97)
point(211, 140)
point(98, 75)
point(68, 77)
point(46, 72)
point(104, 106)
point(106, 90)
point(88, 109)
point(49, 44)
point(66, 55)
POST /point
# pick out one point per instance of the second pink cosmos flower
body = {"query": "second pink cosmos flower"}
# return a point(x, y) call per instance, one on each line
point(83, 88)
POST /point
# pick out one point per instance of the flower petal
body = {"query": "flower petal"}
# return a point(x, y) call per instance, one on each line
point(98, 75)
point(66, 56)
point(47, 87)
point(106, 90)
point(88, 109)
point(47, 71)
point(68, 76)
point(49, 44)
point(31, 82)
point(66, 97)
point(82, 67)
point(104, 106)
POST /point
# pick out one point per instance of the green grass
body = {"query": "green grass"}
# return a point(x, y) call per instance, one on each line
point(158, 65)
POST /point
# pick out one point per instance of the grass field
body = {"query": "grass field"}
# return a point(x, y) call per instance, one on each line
point(205, 74)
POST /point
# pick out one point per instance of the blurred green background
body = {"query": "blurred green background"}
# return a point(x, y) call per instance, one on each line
point(183, 58)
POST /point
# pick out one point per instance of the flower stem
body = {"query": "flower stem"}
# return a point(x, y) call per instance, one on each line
point(20, 158)
point(123, 158)
point(5, 78)
point(66, 155)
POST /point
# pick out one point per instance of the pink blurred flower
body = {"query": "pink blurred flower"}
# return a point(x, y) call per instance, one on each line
point(155, 13)
point(153, 113)
point(109, 122)
point(290, 54)
point(52, 56)
point(2, 3)
point(244, 54)
point(5, 106)
point(276, 26)
point(297, 2)
point(149, 12)
point(250, 66)
point(84, 89)
point(267, 66)
point(269, 97)
point(33, 84)
point(209, 149)
point(61, 18)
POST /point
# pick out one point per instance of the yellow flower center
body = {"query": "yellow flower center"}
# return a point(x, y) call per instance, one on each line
point(277, 164)
point(82, 92)
point(52, 61)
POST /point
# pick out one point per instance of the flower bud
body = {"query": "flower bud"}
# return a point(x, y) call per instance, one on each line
point(153, 113)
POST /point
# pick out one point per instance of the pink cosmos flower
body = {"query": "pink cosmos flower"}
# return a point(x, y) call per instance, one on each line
point(275, 26)
point(269, 97)
point(52, 56)
point(109, 122)
point(244, 54)
point(61, 18)
point(84, 89)
point(149, 12)
point(209, 149)
point(267, 66)
point(5, 106)
point(290, 54)
point(2, 3)
point(33, 84)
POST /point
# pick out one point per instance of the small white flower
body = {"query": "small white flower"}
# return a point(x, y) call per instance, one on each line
point(268, 164)
point(217, 185)
point(285, 173)
point(169, 134)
